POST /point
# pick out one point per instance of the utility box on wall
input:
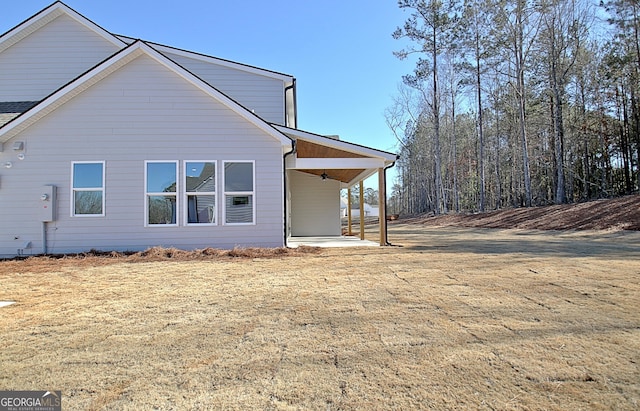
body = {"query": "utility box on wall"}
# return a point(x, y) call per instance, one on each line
point(48, 204)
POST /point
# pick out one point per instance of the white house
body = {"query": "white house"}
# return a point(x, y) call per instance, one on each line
point(368, 210)
point(113, 143)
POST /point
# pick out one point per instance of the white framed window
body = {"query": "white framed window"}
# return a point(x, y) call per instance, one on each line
point(200, 193)
point(161, 190)
point(239, 192)
point(87, 188)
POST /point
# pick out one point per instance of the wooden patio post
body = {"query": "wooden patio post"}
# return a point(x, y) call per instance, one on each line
point(361, 210)
point(349, 211)
point(382, 206)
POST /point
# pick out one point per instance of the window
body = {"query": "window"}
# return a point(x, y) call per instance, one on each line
point(191, 190)
point(87, 189)
point(239, 192)
point(200, 192)
point(161, 185)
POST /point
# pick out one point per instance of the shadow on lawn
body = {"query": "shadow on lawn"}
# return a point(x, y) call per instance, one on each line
point(616, 245)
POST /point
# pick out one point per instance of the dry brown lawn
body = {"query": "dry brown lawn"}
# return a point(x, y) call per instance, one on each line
point(449, 318)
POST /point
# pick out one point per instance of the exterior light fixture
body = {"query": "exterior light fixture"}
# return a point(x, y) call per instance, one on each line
point(8, 164)
point(324, 175)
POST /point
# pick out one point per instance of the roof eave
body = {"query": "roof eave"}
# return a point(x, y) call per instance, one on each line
point(389, 158)
point(287, 79)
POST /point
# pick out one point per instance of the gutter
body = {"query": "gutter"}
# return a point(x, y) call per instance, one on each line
point(285, 189)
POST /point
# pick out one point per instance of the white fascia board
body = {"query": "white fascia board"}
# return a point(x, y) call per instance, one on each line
point(337, 144)
point(29, 26)
point(335, 163)
point(93, 26)
point(286, 79)
point(46, 16)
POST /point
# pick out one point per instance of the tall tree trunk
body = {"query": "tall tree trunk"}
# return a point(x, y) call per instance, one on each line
point(636, 131)
point(634, 101)
point(624, 141)
point(586, 165)
point(557, 46)
point(606, 158)
point(558, 139)
point(520, 91)
point(454, 149)
point(497, 165)
point(480, 122)
point(436, 122)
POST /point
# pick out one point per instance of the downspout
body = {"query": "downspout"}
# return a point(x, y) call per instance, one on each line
point(386, 226)
point(44, 238)
point(284, 170)
point(293, 89)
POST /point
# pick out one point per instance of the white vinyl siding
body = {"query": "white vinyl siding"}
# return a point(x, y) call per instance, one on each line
point(87, 189)
point(142, 112)
point(49, 58)
point(315, 205)
point(262, 95)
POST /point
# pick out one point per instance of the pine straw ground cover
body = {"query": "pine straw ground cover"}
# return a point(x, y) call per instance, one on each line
point(454, 319)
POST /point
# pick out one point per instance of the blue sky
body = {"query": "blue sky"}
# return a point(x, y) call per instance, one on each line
point(340, 51)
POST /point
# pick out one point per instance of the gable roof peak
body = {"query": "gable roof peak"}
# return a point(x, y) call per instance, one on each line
point(46, 16)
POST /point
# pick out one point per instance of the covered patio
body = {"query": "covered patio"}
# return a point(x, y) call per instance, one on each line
point(317, 171)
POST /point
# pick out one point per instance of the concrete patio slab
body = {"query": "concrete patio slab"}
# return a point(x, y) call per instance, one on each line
point(330, 241)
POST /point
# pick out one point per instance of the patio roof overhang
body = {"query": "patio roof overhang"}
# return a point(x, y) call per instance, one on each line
point(351, 164)
point(344, 166)
point(335, 159)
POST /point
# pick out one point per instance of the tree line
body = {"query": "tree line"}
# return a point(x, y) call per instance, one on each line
point(516, 103)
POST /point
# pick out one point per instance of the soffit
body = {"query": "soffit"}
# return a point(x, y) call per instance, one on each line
point(307, 149)
point(343, 175)
point(325, 147)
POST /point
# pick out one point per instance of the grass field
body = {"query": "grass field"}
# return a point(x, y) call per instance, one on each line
point(448, 318)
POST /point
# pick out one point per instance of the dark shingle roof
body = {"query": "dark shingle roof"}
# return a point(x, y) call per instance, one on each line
point(16, 106)
point(12, 109)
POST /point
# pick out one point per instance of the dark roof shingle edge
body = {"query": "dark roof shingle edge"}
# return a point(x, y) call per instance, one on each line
point(15, 107)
